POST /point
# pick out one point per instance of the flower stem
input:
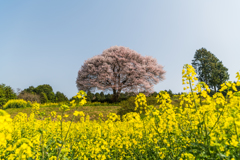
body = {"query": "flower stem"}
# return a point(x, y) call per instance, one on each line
point(65, 137)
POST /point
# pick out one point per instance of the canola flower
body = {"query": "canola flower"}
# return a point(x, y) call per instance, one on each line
point(52, 104)
point(201, 127)
point(17, 103)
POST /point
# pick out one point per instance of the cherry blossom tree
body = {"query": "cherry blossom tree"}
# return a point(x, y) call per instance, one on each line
point(120, 69)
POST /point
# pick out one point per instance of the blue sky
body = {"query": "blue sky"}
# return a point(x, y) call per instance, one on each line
point(47, 42)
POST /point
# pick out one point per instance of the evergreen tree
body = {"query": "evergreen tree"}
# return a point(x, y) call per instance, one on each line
point(209, 69)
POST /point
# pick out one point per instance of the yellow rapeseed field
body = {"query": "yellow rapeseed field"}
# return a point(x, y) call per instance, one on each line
point(202, 127)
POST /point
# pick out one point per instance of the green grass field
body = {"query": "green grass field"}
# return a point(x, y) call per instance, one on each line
point(92, 111)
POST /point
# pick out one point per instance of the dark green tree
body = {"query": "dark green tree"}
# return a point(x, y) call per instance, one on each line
point(154, 94)
point(97, 97)
point(43, 97)
point(209, 69)
point(126, 94)
point(30, 89)
point(9, 93)
point(169, 92)
point(60, 97)
point(90, 96)
point(218, 76)
point(6, 93)
point(102, 97)
point(122, 96)
point(47, 89)
point(131, 94)
point(109, 98)
point(3, 99)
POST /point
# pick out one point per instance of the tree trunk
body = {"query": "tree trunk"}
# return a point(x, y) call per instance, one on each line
point(116, 95)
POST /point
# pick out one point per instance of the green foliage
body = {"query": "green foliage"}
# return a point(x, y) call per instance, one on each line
point(108, 98)
point(123, 96)
point(6, 93)
point(9, 93)
point(152, 101)
point(97, 97)
point(3, 99)
point(170, 92)
point(60, 97)
point(127, 106)
point(209, 69)
point(102, 97)
point(89, 96)
point(43, 97)
point(154, 94)
point(46, 94)
point(30, 89)
point(219, 76)
point(17, 103)
point(45, 88)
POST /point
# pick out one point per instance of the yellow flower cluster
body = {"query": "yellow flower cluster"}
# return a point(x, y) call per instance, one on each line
point(188, 75)
point(201, 127)
point(229, 85)
point(52, 104)
point(164, 98)
point(141, 103)
point(17, 103)
point(79, 113)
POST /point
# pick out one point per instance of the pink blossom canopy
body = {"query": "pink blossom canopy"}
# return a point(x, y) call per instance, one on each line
point(120, 69)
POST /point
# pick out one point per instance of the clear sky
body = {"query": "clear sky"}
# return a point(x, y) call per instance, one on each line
point(47, 42)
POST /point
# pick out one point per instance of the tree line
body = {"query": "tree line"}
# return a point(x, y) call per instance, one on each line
point(109, 98)
point(44, 94)
point(41, 94)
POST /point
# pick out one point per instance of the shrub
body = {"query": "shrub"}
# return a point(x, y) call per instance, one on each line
point(17, 103)
point(152, 101)
point(127, 106)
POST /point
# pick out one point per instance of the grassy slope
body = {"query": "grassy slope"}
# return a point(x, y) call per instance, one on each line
point(92, 111)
